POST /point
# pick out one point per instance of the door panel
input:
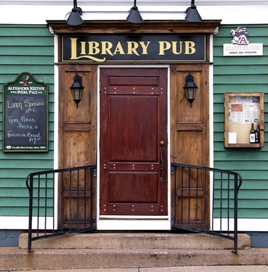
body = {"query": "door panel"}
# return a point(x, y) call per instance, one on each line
point(190, 145)
point(130, 134)
point(143, 191)
point(133, 180)
point(77, 146)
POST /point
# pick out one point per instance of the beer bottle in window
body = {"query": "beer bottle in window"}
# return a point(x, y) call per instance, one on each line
point(257, 134)
point(252, 134)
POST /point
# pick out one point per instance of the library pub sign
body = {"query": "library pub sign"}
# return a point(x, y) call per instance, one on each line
point(119, 47)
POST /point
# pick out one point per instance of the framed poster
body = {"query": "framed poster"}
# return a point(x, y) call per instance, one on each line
point(25, 109)
point(244, 120)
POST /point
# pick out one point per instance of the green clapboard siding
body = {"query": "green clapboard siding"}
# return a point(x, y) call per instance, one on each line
point(24, 48)
point(242, 74)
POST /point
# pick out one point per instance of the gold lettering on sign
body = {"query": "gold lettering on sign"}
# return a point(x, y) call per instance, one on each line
point(106, 48)
point(83, 49)
point(189, 47)
point(144, 47)
point(165, 46)
point(119, 49)
point(132, 48)
point(174, 48)
point(93, 49)
point(73, 48)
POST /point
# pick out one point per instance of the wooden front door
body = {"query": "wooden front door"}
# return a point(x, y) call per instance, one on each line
point(133, 141)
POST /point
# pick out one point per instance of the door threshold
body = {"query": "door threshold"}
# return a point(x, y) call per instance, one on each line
point(127, 217)
point(133, 224)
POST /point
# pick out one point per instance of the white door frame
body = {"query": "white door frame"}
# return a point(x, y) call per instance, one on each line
point(108, 222)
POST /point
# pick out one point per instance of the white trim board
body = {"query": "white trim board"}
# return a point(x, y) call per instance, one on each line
point(149, 223)
point(22, 223)
point(141, 3)
point(134, 224)
point(38, 14)
point(244, 224)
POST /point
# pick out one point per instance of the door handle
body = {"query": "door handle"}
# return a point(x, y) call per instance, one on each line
point(162, 166)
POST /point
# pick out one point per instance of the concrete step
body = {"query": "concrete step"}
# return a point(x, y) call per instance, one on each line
point(128, 250)
point(143, 240)
point(237, 268)
point(60, 259)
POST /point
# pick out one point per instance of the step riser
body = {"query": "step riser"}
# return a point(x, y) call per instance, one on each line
point(127, 250)
point(135, 241)
point(69, 259)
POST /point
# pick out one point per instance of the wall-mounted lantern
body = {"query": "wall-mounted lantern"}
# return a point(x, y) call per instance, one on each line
point(190, 89)
point(77, 89)
point(134, 15)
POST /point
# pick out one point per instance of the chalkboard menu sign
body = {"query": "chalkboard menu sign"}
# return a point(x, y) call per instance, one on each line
point(25, 108)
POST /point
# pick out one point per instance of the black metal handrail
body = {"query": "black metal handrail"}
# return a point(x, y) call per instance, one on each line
point(42, 202)
point(193, 184)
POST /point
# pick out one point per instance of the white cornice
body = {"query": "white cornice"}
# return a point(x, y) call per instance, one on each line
point(36, 14)
point(140, 2)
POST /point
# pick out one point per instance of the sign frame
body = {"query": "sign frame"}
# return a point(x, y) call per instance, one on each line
point(25, 115)
point(241, 110)
point(103, 48)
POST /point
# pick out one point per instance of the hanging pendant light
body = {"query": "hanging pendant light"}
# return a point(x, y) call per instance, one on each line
point(134, 15)
point(75, 16)
point(192, 15)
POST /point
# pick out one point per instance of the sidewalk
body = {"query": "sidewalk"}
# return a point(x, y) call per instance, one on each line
point(255, 268)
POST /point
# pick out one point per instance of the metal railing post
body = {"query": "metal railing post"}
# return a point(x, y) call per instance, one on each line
point(30, 214)
point(235, 213)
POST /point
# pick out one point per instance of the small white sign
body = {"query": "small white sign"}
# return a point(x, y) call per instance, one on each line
point(232, 138)
point(252, 49)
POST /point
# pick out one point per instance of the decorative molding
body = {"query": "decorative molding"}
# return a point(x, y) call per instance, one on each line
point(163, 27)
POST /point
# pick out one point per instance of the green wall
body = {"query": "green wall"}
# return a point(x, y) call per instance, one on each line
point(242, 74)
point(24, 48)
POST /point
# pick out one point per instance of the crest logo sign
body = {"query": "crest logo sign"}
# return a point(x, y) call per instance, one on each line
point(240, 46)
point(239, 35)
